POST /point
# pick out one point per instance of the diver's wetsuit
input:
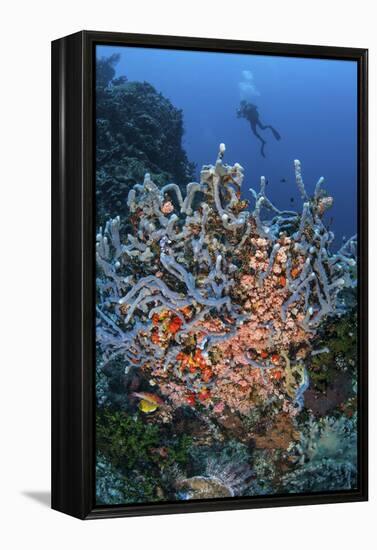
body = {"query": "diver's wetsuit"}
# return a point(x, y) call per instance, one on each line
point(250, 112)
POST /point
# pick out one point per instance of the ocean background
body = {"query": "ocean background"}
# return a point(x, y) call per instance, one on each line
point(312, 103)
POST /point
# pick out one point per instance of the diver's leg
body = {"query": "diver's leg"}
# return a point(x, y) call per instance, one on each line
point(258, 136)
point(264, 127)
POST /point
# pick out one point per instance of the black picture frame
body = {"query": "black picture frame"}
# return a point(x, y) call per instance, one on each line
point(73, 267)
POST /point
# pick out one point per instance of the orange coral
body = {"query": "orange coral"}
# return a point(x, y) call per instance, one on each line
point(295, 272)
point(204, 394)
point(175, 325)
point(186, 311)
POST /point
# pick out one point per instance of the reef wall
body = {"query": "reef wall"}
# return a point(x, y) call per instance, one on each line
point(138, 130)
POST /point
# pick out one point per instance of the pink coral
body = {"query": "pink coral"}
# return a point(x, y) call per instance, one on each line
point(167, 207)
point(246, 366)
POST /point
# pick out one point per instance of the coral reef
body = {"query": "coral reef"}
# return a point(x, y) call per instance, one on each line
point(228, 319)
point(138, 130)
point(214, 295)
point(326, 456)
point(110, 485)
point(136, 459)
point(115, 485)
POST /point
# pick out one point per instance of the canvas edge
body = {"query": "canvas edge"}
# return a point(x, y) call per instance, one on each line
point(72, 275)
point(363, 397)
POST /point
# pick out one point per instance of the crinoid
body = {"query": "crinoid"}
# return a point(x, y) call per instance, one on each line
point(220, 479)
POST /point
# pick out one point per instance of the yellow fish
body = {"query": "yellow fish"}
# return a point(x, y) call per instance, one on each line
point(147, 407)
point(149, 401)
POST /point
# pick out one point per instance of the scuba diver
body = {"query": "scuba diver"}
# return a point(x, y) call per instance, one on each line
point(250, 112)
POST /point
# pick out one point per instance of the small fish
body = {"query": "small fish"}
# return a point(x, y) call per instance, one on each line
point(283, 180)
point(147, 407)
point(151, 397)
point(292, 199)
point(149, 401)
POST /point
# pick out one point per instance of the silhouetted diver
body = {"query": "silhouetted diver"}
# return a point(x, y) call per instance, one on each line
point(250, 112)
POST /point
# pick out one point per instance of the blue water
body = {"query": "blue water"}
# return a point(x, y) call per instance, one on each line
point(312, 103)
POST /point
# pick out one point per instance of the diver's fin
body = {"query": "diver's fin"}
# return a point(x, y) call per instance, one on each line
point(276, 134)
